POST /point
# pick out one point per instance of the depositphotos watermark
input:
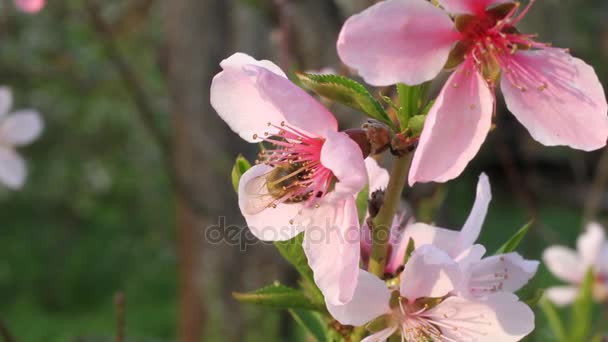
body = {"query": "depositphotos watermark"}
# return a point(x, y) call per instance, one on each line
point(328, 233)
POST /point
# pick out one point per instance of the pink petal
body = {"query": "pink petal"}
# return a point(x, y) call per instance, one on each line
point(397, 41)
point(423, 234)
point(249, 94)
point(6, 100)
point(429, 272)
point(563, 102)
point(469, 6)
point(344, 158)
point(472, 227)
point(21, 128)
point(267, 224)
point(562, 295)
point(380, 336)
point(470, 256)
point(506, 272)
point(12, 169)
point(500, 317)
point(564, 263)
point(30, 6)
point(590, 243)
point(455, 128)
point(331, 244)
point(370, 300)
point(377, 176)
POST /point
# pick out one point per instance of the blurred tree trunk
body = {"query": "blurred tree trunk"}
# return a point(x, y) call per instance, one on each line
point(197, 33)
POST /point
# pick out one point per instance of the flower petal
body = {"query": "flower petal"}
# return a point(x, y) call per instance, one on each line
point(589, 245)
point(380, 336)
point(397, 41)
point(455, 127)
point(469, 6)
point(6, 100)
point(370, 300)
point(21, 127)
point(30, 6)
point(500, 317)
point(344, 158)
point(12, 169)
point(562, 295)
point(472, 227)
point(564, 263)
point(429, 272)
point(249, 94)
point(267, 224)
point(377, 176)
point(506, 272)
point(424, 234)
point(558, 98)
point(331, 244)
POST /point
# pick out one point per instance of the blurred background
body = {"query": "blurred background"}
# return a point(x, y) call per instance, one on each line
point(133, 166)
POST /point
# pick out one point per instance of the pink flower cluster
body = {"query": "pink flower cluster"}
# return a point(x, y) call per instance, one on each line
point(447, 290)
point(309, 173)
point(30, 6)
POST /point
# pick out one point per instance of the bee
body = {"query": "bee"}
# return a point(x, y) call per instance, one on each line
point(277, 185)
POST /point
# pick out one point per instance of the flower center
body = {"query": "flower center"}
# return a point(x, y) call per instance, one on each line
point(297, 173)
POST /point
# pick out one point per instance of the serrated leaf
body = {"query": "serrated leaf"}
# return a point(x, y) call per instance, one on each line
point(555, 323)
point(582, 310)
point(278, 296)
point(241, 165)
point(512, 244)
point(293, 252)
point(347, 92)
point(311, 322)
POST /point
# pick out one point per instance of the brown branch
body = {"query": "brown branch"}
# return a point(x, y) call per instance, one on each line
point(119, 307)
point(135, 14)
point(129, 78)
point(6, 333)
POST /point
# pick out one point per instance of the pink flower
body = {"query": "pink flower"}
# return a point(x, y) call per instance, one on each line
point(421, 306)
point(30, 6)
point(557, 97)
point(16, 129)
point(308, 179)
point(480, 276)
point(571, 266)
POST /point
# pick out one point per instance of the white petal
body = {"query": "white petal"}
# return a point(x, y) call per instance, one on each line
point(6, 100)
point(564, 263)
point(21, 127)
point(429, 272)
point(590, 243)
point(380, 336)
point(562, 295)
point(472, 227)
point(12, 169)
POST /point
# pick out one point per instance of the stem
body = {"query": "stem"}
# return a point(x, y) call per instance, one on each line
point(383, 221)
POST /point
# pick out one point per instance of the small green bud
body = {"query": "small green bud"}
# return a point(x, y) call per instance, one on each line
point(416, 124)
point(241, 165)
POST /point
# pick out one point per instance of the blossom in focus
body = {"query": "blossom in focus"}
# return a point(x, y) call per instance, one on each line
point(481, 275)
point(308, 177)
point(30, 6)
point(422, 308)
point(17, 129)
point(557, 97)
point(571, 266)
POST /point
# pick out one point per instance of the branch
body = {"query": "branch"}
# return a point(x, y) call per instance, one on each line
point(6, 333)
point(129, 78)
point(119, 307)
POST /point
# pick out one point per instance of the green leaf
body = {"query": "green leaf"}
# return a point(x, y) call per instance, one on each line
point(409, 250)
point(311, 322)
point(362, 203)
point(512, 244)
point(278, 296)
point(582, 310)
point(411, 102)
point(416, 124)
point(241, 165)
point(555, 323)
point(347, 92)
point(535, 299)
point(293, 252)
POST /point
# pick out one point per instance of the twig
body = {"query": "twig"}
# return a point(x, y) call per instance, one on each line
point(130, 79)
point(598, 186)
point(119, 307)
point(5, 332)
